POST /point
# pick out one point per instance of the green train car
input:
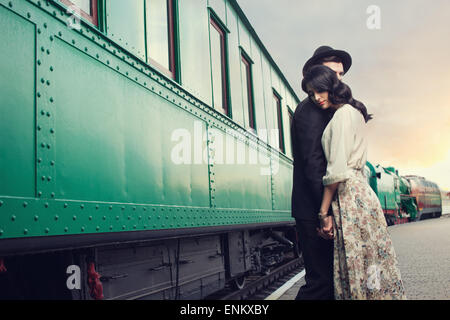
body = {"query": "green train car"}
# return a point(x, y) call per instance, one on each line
point(404, 198)
point(145, 150)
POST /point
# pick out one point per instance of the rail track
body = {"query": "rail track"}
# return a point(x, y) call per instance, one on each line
point(259, 287)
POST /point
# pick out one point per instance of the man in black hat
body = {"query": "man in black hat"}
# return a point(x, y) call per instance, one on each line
point(309, 168)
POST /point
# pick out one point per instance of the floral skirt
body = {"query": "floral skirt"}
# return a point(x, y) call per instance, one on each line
point(365, 264)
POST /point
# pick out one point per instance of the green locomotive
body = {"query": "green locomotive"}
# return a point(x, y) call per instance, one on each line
point(404, 198)
point(145, 150)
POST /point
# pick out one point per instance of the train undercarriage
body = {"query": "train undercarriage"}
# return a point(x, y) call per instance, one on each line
point(164, 269)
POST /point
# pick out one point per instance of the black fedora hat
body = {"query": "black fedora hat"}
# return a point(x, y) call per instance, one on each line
point(326, 51)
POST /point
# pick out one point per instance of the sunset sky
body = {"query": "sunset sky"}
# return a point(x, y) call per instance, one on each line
point(400, 71)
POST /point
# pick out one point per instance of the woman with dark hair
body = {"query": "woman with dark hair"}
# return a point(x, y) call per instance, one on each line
point(365, 264)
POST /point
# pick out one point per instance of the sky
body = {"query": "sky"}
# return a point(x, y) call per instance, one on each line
point(401, 69)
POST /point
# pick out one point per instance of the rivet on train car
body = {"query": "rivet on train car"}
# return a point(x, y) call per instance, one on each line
point(1, 203)
point(43, 178)
point(52, 194)
point(25, 204)
point(1, 232)
point(10, 4)
point(107, 61)
point(110, 207)
point(13, 218)
point(123, 208)
point(129, 217)
point(97, 56)
point(123, 227)
point(110, 227)
point(38, 94)
point(74, 218)
point(39, 31)
point(46, 205)
point(28, 15)
point(90, 218)
point(65, 205)
point(97, 228)
point(97, 206)
point(39, 160)
point(86, 49)
point(51, 68)
point(45, 25)
point(60, 33)
point(51, 101)
point(104, 218)
point(47, 230)
point(48, 82)
point(48, 146)
point(39, 193)
point(56, 217)
point(66, 229)
point(73, 41)
point(82, 229)
point(134, 227)
point(117, 217)
point(42, 80)
point(82, 206)
point(52, 131)
point(25, 231)
point(51, 38)
point(48, 51)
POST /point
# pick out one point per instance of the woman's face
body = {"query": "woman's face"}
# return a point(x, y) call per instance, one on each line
point(319, 98)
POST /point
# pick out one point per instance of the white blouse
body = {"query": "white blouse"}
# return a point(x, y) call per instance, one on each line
point(344, 143)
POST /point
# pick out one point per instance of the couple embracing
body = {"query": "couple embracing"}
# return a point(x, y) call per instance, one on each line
point(343, 236)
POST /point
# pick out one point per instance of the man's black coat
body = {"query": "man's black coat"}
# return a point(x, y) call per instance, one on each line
point(310, 163)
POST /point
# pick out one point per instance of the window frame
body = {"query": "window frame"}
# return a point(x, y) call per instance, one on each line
point(217, 25)
point(172, 71)
point(94, 18)
point(279, 110)
point(249, 87)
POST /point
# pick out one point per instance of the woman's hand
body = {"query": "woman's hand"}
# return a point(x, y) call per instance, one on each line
point(326, 228)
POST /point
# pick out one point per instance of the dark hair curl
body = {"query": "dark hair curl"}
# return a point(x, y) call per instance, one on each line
point(321, 78)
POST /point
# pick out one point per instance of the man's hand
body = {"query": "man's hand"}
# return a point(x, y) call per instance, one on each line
point(326, 228)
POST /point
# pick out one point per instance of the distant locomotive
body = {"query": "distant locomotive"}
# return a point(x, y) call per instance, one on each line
point(113, 180)
point(404, 198)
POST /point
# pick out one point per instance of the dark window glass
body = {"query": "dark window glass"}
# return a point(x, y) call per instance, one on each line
point(277, 101)
point(218, 66)
point(88, 9)
point(160, 35)
point(248, 91)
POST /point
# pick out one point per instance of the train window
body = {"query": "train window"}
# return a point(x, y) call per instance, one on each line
point(88, 9)
point(248, 89)
point(218, 66)
point(277, 101)
point(160, 35)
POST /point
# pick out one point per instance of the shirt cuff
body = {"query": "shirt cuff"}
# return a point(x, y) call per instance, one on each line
point(339, 177)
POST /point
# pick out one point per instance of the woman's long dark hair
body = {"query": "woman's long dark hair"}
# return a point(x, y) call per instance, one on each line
point(321, 78)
